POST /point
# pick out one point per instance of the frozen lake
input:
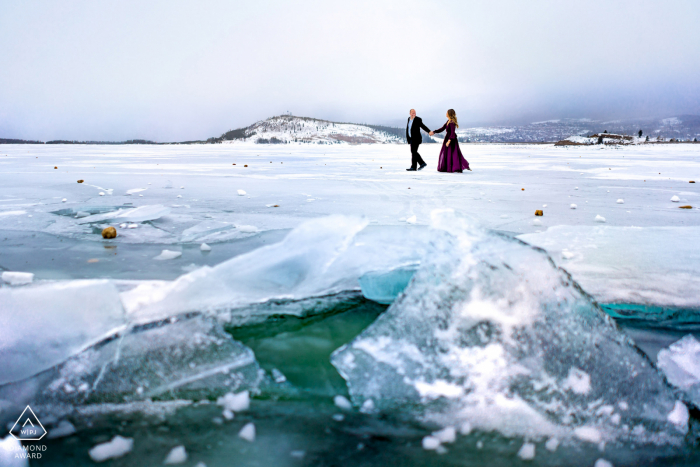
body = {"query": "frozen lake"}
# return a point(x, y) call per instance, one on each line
point(300, 241)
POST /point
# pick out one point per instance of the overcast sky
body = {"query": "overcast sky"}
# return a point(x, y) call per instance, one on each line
point(173, 70)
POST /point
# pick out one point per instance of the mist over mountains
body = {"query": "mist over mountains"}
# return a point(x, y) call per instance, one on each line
point(289, 129)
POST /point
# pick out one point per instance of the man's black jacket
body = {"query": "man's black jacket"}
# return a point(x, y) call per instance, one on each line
point(415, 136)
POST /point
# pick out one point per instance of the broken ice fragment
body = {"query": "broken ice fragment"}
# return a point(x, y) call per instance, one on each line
point(527, 452)
point(675, 199)
point(602, 463)
point(576, 188)
point(241, 193)
point(122, 226)
point(342, 402)
point(204, 247)
point(588, 433)
point(431, 443)
point(112, 449)
point(64, 200)
point(446, 435)
point(235, 402)
point(577, 381)
point(278, 376)
point(168, 254)
point(620, 201)
point(247, 432)
point(679, 415)
point(599, 218)
point(566, 254)
point(179, 196)
point(132, 226)
point(177, 455)
point(101, 193)
point(17, 278)
point(411, 220)
point(573, 206)
point(551, 444)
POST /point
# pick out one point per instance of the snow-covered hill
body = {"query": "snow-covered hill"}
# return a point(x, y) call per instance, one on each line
point(285, 129)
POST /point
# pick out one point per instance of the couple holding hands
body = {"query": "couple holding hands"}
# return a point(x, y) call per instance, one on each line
point(451, 159)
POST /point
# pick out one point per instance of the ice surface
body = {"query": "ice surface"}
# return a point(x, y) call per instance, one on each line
point(491, 333)
point(681, 365)
point(113, 449)
point(645, 265)
point(43, 324)
point(177, 455)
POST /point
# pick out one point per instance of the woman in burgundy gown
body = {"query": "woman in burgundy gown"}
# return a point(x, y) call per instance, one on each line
point(451, 158)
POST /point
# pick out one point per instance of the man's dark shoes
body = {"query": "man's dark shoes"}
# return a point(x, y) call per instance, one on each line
point(422, 166)
point(411, 170)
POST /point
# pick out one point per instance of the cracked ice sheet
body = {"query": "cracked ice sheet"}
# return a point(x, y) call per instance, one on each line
point(645, 265)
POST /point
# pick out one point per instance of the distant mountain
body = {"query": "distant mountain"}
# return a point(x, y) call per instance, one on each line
point(286, 129)
point(683, 127)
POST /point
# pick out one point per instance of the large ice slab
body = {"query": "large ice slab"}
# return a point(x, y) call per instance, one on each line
point(490, 334)
point(320, 257)
point(645, 265)
point(139, 214)
point(42, 325)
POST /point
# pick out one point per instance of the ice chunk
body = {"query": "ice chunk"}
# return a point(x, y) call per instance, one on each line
point(573, 206)
point(101, 193)
point(247, 228)
point(679, 415)
point(342, 402)
point(566, 254)
point(446, 435)
point(620, 201)
point(17, 278)
point(43, 325)
point(527, 452)
point(599, 218)
point(168, 254)
point(577, 381)
point(118, 447)
point(204, 247)
point(412, 220)
point(235, 402)
point(247, 432)
point(64, 200)
point(241, 193)
point(132, 226)
point(64, 428)
point(192, 357)
point(552, 444)
point(675, 199)
point(588, 433)
point(486, 332)
point(603, 463)
point(431, 443)
point(177, 455)
point(9, 447)
point(135, 190)
point(681, 365)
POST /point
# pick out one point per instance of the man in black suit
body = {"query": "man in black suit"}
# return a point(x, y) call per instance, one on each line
point(414, 138)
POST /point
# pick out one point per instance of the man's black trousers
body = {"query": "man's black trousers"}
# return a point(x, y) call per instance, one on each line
point(416, 159)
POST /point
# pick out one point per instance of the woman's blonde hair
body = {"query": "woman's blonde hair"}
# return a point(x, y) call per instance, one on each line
point(453, 117)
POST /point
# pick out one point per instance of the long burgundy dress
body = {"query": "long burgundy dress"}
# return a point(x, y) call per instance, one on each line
point(451, 158)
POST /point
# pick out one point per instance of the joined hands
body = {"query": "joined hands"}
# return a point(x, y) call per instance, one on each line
point(431, 133)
